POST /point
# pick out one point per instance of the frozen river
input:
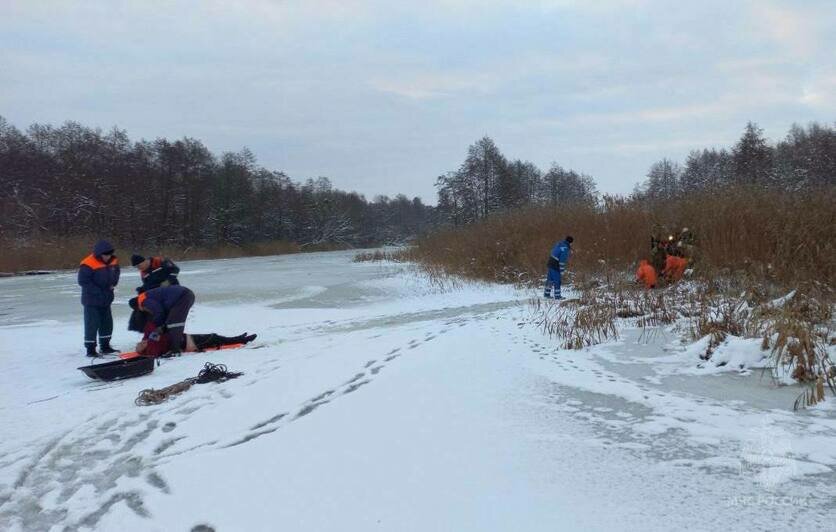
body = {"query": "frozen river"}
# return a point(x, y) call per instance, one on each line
point(374, 400)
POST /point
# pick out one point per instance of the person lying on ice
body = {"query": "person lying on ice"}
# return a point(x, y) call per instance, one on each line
point(149, 347)
point(556, 266)
point(98, 275)
point(168, 307)
point(155, 272)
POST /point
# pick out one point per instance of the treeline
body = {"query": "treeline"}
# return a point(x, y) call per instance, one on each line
point(68, 181)
point(804, 159)
point(487, 183)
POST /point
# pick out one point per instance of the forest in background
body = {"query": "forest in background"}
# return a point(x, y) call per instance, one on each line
point(63, 187)
point(489, 183)
point(74, 182)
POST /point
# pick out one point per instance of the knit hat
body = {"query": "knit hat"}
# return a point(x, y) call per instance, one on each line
point(102, 247)
point(134, 303)
point(136, 259)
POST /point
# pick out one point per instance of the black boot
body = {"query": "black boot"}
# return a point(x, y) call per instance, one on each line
point(215, 341)
point(240, 339)
point(106, 349)
point(91, 350)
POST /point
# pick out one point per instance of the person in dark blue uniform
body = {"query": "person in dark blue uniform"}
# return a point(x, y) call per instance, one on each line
point(556, 266)
point(155, 272)
point(98, 275)
point(167, 307)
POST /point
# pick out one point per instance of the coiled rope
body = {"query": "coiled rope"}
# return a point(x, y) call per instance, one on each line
point(209, 373)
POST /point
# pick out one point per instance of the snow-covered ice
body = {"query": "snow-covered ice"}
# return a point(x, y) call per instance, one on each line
point(375, 400)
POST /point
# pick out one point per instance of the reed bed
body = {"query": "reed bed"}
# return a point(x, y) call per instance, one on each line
point(775, 237)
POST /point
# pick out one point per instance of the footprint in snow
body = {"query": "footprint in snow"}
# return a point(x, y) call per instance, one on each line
point(355, 386)
point(166, 444)
point(307, 409)
point(154, 479)
point(355, 378)
point(270, 421)
point(326, 393)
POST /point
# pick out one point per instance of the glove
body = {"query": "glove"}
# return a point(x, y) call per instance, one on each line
point(155, 334)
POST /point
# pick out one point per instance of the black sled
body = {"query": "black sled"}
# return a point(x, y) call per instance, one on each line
point(119, 369)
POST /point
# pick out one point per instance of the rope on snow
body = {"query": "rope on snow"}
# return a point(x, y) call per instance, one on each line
point(209, 373)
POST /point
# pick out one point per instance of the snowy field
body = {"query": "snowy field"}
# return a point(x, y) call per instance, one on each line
point(373, 400)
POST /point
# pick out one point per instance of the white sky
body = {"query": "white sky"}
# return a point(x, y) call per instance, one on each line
point(382, 96)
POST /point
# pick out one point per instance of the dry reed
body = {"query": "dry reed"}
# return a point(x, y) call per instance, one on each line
point(377, 255)
point(774, 237)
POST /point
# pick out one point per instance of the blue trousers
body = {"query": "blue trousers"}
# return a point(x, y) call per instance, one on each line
point(552, 280)
point(97, 320)
point(175, 320)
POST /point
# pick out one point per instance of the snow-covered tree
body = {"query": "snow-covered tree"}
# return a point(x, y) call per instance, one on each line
point(752, 158)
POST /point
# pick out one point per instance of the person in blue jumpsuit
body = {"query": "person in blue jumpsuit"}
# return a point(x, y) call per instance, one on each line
point(98, 275)
point(556, 266)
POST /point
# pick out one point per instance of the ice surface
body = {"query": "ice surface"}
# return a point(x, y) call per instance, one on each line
point(373, 400)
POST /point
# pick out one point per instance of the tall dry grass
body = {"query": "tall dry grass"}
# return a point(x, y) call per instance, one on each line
point(377, 255)
point(66, 253)
point(773, 236)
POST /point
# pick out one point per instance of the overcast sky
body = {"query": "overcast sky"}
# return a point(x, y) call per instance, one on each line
point(384, 96)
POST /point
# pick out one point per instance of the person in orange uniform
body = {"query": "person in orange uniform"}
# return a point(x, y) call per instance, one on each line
point(646, 274)
point(98, 275)
point(674, 268)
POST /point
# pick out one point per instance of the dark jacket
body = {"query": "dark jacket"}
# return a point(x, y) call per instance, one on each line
point(97, 278)
point(159, 301)
point(161, 272)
